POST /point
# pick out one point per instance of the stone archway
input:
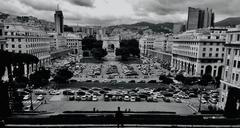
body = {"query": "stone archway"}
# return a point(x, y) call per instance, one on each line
point(111, 44)
point(208, 70)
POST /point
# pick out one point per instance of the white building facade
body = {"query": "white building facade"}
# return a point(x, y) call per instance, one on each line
point(198, 52)
point(230, 79)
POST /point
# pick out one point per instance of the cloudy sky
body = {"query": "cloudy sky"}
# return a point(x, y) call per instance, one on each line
point(109, 12)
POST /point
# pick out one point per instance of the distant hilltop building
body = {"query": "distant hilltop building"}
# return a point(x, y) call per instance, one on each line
point(58, 17)
point(198, 18)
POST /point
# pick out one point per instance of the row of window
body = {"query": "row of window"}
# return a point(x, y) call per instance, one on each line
point(39, 34)
point(210, 55)
point(37, 45)
point(235, 77)
point(211, 49)
point(28, 40)
point(234, 37)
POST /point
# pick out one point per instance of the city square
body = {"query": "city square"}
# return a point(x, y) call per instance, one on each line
point(104, 63)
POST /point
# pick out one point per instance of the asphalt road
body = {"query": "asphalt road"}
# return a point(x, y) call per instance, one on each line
point(60, 103)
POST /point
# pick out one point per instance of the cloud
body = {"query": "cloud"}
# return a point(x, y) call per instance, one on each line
point(41, 5)
point(84, 3)
point(108, 12)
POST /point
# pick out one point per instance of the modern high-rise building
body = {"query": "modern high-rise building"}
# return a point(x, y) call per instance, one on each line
point(198, 18)
point(59, 25)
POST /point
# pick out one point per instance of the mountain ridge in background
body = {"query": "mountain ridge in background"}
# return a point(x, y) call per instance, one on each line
point(228, 22)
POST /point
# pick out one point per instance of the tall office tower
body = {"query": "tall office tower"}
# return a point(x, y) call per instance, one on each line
point(198, 18)
point(58, 16)
point(208, 18)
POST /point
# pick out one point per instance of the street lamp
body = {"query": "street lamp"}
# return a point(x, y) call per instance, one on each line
point(30, 90)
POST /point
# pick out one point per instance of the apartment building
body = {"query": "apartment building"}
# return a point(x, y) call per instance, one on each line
point(200, 51)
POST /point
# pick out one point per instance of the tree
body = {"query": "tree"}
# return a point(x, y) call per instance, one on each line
point(40, 78)
point(63, 75)
point(128, 48)
point(98, 53)
point(123, 52)
point(180, 77)
point(206, 79)
point(165, 79)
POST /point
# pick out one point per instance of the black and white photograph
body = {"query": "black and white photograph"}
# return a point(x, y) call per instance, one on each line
point(119, 63)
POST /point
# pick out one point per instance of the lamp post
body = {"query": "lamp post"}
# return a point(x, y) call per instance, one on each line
point(200, 100)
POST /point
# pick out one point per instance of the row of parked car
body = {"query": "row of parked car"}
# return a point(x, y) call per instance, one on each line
point(112, 69)
point(129, 70)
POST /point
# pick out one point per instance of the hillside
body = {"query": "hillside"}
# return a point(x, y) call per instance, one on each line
point(142, 26)
point(228, 22)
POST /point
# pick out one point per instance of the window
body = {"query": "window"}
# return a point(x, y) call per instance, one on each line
point(238, 37)
point(224, 86)
point(217, 49)
point(211, 43)
point(12, 39)
point(236, 51)
point(231, 37)
point(223, 49)
point(228, 62)
point(210, 49)
point(201, 72)
point(6, 45)
point(216, 55)
point(203, 54)
point(238, 65)
point(234, 63)
point(229, 51)
point(7, 27)
point(13, 46)
point(226, 74)
point(20, 51)
point(222, 54)
point(19, 40)
point(233, 75)
point(237, 76)
point(204, 49)
point(210, 54)
point(19, 46)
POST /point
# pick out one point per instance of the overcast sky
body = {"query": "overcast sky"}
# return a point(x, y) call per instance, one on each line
point(109, 12)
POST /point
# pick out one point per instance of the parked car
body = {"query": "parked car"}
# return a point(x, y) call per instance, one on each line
point(106, 98)
point(166, 100)
point(27, 108)
point(26, 97)
point(155, 99)
point(94, 98)
point(78, 98)
point(178, 100)
point(126, 98)
point(40, 97)
point(133, 99)
point(114, 98)
point(213, 100)
point(83, 98)
point(71, 98)
point(150, 99)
